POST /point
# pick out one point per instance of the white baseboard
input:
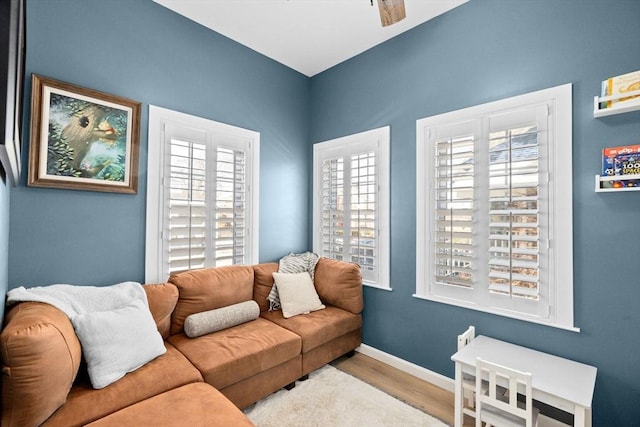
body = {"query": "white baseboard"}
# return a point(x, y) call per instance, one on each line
point(408, 367)
point(430, 376)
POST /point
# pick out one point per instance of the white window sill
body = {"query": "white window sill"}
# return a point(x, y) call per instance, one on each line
point(497, 311)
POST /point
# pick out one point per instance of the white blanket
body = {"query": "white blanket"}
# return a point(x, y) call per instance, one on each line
point(74, 300)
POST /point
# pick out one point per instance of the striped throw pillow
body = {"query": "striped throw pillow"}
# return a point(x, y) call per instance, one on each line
point(293, 263)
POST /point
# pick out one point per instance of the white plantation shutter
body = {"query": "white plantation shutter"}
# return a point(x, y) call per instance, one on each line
point(206, 228)
point(230, 207)
point(490, 210)
point(518, 209)
point(363, 224)
point(206, 204)
point(486, 230)
point(355, 239)
point(333, 209)
point(351, 202)
point(454, 204)
point(186, 193)
point(517, 233)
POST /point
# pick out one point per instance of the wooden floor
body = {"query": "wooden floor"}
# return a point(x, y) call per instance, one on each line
point(414, 391)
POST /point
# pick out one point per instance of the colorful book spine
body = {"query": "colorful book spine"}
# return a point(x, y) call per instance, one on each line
point(621, 161)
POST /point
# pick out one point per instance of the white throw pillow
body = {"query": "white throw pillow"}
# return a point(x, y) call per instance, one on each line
point(292, 263)
point(118, 341)
point(297, 294)
point(206, 322)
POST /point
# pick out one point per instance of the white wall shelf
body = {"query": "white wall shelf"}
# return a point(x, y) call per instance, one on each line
point(602, 183)
point(618, 108)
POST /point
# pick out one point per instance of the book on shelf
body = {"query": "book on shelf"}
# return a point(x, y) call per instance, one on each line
point(621, 162)
point(619, 85)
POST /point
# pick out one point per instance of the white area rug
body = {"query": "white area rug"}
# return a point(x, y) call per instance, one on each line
point(332, 398)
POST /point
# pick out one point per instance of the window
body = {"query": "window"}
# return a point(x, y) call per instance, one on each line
point(494, 222)
point(202, 203)
point(351, 202)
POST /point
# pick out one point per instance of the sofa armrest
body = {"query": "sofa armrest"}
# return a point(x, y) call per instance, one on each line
point(40, 359)
point(263, 282)
point(339, 284)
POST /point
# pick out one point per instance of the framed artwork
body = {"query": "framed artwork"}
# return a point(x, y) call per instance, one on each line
point(11, 86)
point(82, 139)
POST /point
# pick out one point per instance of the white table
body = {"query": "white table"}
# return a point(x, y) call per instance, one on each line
point(559, 382)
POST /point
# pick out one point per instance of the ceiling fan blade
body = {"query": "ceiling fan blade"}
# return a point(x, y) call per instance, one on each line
point(391, 11)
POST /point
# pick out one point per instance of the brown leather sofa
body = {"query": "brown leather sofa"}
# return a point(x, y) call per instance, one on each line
point(199, 381)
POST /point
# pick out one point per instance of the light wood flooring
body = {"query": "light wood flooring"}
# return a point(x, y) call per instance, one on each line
point(414, 391)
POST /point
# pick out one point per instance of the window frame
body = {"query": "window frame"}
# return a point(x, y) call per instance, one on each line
point(375, 140)
point(558, 186)
point(159, 118)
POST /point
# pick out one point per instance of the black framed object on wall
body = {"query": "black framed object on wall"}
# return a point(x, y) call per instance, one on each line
point(12, 49)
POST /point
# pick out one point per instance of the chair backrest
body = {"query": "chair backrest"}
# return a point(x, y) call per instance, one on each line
point(496, 407)
point(466, 337)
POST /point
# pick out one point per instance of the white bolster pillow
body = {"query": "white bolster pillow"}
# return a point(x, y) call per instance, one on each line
point(206, 322)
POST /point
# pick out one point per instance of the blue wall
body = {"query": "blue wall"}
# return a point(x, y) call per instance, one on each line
point(482, 51)
point(143, 51)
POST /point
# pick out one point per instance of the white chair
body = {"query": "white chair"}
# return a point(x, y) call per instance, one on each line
point(466, 337)
point(468, 381)
point(500, 409)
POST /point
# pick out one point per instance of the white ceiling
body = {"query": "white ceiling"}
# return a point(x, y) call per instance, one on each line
point(309, 36)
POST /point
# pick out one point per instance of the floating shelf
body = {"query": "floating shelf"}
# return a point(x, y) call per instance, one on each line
point(619, 108)
point(604, 180)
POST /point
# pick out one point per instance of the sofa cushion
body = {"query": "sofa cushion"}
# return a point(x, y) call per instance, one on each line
point(209, 288)
point(263, 283)
point(86, 404)
point(339, 283)
point(319, 327)
point(199, 324)
point(162, 299)
point(117, 341)
point(297, 294)
point(40, 357)
point(231, 355)
point(195, 405)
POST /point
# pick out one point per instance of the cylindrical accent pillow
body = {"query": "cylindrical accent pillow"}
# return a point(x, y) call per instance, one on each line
point(206, 322)
point(209, 288)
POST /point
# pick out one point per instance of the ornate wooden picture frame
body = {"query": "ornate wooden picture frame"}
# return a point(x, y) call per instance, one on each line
point(82, 139)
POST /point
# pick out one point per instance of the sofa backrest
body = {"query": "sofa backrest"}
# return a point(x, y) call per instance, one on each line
point(208, 289)
point(40, 359)
point(339, 283)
